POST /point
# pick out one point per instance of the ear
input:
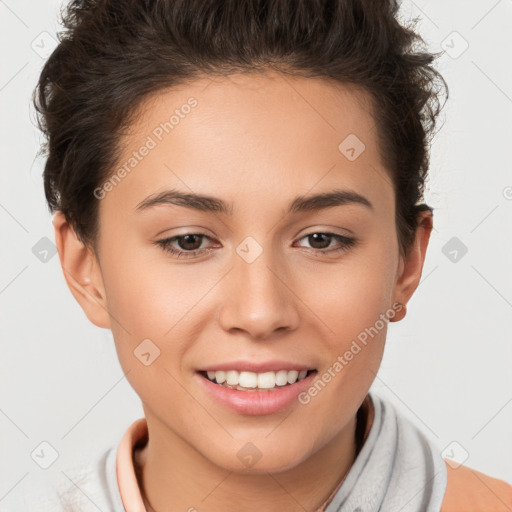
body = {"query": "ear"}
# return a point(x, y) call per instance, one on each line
point(411, 265)
point(82, 272)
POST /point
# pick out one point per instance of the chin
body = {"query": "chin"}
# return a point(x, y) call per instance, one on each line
point(251, 460)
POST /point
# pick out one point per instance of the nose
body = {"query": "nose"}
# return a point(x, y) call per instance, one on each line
point(257, 299)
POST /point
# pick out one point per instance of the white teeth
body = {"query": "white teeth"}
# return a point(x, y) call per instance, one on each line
point(232, 377)
point(219, 376)
point(267, 380)
point(292, 376)
point(281, 378)
point(250, 381)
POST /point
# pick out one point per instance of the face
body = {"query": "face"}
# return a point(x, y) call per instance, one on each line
point(258, 283)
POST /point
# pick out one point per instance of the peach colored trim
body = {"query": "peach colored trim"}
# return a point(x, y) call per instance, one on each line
point(126, 479)
point(469, 490)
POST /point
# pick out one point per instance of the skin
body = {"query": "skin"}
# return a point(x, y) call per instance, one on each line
point(256, 142)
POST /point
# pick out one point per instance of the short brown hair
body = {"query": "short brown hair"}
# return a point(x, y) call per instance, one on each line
point(113, 53)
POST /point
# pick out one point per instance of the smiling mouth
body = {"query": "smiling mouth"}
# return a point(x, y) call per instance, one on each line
point(251, 381)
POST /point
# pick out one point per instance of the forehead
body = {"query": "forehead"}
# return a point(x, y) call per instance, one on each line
point(271, 101)
point(233, 135)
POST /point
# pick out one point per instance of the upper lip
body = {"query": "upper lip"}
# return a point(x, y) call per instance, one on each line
point(256, 367)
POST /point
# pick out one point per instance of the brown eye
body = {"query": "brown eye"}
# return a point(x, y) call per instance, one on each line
point(185, 246)
point(322, 242)
point(189, 242)
point(319, 240)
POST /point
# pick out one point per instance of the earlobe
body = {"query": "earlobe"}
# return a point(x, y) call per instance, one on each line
point(411, 265)
point(81, 272)
point(400, 312)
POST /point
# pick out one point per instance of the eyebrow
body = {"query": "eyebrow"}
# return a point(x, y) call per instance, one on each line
point(211, 204)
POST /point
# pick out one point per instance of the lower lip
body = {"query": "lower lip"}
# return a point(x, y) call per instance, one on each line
point(257, 403)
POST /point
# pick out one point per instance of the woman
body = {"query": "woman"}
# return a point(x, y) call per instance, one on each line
point(237, 188)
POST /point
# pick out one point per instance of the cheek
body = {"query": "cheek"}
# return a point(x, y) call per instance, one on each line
point(356, 306)
point(350, 297)
point(150, 306)
point(149, 295)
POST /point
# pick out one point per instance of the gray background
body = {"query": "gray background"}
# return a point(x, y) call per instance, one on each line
point(447, 366)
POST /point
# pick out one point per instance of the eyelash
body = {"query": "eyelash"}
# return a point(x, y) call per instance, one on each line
point(346, 243)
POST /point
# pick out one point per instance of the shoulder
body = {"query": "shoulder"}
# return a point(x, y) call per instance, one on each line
point(85, 486)
point(468, 490)
point(459, 488)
